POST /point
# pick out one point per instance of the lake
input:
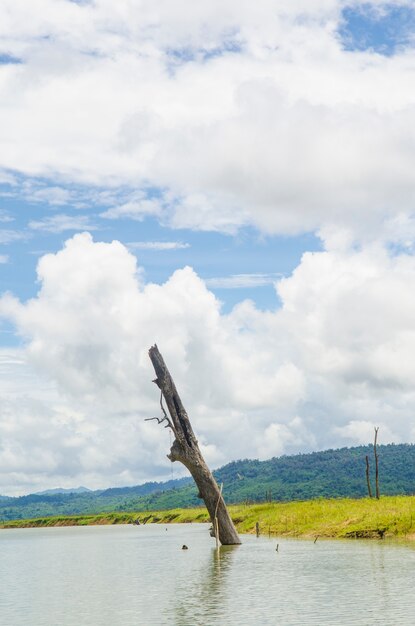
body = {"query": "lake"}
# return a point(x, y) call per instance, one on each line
point(140, 576)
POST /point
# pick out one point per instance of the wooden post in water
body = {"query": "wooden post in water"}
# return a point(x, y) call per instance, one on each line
point(185, 449)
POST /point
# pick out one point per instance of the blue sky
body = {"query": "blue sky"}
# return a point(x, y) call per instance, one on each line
point(383, 29)
point(256, 166)
point(242, 259)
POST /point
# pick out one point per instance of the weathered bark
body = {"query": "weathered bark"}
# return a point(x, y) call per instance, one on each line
point(369, 489)
point(376, 463)
point(185, 449)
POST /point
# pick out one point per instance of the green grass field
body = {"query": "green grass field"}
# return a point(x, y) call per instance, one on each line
point(391, 516)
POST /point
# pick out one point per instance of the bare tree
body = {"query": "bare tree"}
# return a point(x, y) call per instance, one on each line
point(185, 449)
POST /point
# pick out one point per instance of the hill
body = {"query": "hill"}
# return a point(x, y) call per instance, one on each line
point(327, 474)
point(52, 492)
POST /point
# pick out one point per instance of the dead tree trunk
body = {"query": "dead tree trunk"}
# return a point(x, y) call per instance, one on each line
point(369, 489)
point(376, 463)
point(185, 449)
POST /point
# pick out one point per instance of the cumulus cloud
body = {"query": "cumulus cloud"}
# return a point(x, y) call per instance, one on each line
point(236, 114)
point(209, 116)
point(363, 431)
point(47, 441)
point(335, 358)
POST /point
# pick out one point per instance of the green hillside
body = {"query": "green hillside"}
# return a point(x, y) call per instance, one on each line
point(328, 474)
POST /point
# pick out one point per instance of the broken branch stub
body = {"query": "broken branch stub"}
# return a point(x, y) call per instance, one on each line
point(185, 449)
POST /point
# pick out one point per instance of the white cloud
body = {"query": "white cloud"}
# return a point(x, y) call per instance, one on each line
point(134, 209)
point(208, 116)
point(238, 114)
point(335, 358)
point(55, 196)
point(60, 223)
point(362, 432)
point(4, 258)
point(278, 438)
point(158, 245)
point(9, 236)
point(7, 179)
point(241, 281)
point(5, 217)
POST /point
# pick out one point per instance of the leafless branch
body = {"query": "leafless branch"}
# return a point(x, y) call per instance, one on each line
point(165, 417)
point(159, 420)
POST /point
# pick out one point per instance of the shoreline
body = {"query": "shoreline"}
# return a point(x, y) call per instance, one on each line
point(389, 517)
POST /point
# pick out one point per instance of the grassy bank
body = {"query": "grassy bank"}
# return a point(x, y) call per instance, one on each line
point(392, 516)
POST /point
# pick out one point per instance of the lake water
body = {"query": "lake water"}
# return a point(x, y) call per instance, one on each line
point(140, 576)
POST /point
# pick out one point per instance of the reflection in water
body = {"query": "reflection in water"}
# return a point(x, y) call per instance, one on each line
point(140, 576)
point(205, 596)
point(349, 583)
point(380, 575)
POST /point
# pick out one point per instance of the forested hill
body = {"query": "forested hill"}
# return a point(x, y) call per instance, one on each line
point(328, 474)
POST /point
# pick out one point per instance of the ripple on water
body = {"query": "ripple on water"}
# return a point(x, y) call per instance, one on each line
point(139, 576)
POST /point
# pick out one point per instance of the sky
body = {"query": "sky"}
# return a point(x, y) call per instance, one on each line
point(233, 181)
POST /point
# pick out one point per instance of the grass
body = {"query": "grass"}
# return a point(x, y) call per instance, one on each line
point(391, 516)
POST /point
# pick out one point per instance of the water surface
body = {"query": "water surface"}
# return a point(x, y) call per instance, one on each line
point(139, 575)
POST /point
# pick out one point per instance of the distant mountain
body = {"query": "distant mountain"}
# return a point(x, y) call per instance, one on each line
point(327, 474)
point(53, 492)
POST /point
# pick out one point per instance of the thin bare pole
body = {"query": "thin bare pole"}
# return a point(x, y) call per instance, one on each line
point(216, 525)
point(369, 489)
point(376, 462)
